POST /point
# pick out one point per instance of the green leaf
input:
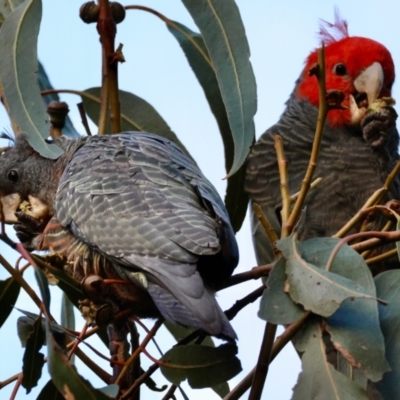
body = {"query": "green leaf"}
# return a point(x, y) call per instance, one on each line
point(203, 366)
point(18, 75)
point(43, 287)
point(50, 392)
point(192, 43)
point(6, 7)
point(318, 379)
point(25, 326)
point(354, 327)
point(67, 313)
point(33, 360)
point(179, 332)
point(276, 306)
point(136, 115)
point(9, 291)
point(388, 288)
point(223, 33)
point(316, 289)
point(65, 376)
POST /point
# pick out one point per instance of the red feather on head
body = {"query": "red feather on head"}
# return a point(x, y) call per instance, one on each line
point(356, 54)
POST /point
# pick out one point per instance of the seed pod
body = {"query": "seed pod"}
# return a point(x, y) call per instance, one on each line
point(89, 12)
point(117, 12)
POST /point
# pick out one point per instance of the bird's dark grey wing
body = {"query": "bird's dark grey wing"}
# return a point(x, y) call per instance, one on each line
point(139, 200)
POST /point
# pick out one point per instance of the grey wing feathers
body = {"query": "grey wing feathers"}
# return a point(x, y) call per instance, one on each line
point(140, 201)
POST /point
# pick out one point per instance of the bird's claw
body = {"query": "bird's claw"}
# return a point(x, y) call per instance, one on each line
point(376, 125)
point(27, 229)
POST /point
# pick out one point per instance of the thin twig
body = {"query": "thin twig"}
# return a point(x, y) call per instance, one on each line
point(280, 342)
point(387, 237)
point(107, 30)
point(240, 304)
point(21, 281)
point(392, 175)
point(263, 362)
point(284, 182)
point(16, 387)
point(254, 273)
point(85, 123)
point(146, 340)
point(313, 184)
point(376, 196)
point(170, 393)
point(10, 380)
point(269, 230)
point(322, 113)
point(103, 375)
point(381, 257)
point(139, 381)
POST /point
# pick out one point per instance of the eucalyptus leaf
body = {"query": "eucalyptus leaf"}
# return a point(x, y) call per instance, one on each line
point(67, 313)
point(9, 292)
point(276, 306)
point(224, 35)
point(179, 332)
point(33, 360)
point(18, 75)
point(354, 327)
point(316, 289)
point(7, 7)
point(50, 392)
point(193, 46)
point(43, 287)
point(318, 379)
point(388, 288)
point(202, 366)
point(65, 376)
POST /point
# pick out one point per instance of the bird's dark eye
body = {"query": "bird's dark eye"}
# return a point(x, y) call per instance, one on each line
point(13, 175)
point(340, 69)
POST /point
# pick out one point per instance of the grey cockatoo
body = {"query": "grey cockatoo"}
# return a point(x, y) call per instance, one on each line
point(359, 144)
point(131, 206)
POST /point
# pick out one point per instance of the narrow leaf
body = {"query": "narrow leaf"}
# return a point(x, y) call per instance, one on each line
point(388, 288)
point(25, 326)
point(354, 327)
point(223, 33)
point(33, 360)
point(9, 291)
point(276, 305)
point(318, 379)
point(65, 376)
point(43, 287)
point(67, 313)
point(202, 366)
point(18, 75)
point(193, 46)
point(318, 290)
point(136, 115)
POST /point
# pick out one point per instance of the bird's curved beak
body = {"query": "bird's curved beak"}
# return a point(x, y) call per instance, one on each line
point(368, 86)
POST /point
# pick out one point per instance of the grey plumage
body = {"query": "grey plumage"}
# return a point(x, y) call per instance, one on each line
point(138, 201)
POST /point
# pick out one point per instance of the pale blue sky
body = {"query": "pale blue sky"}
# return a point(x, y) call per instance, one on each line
point(281, 34)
